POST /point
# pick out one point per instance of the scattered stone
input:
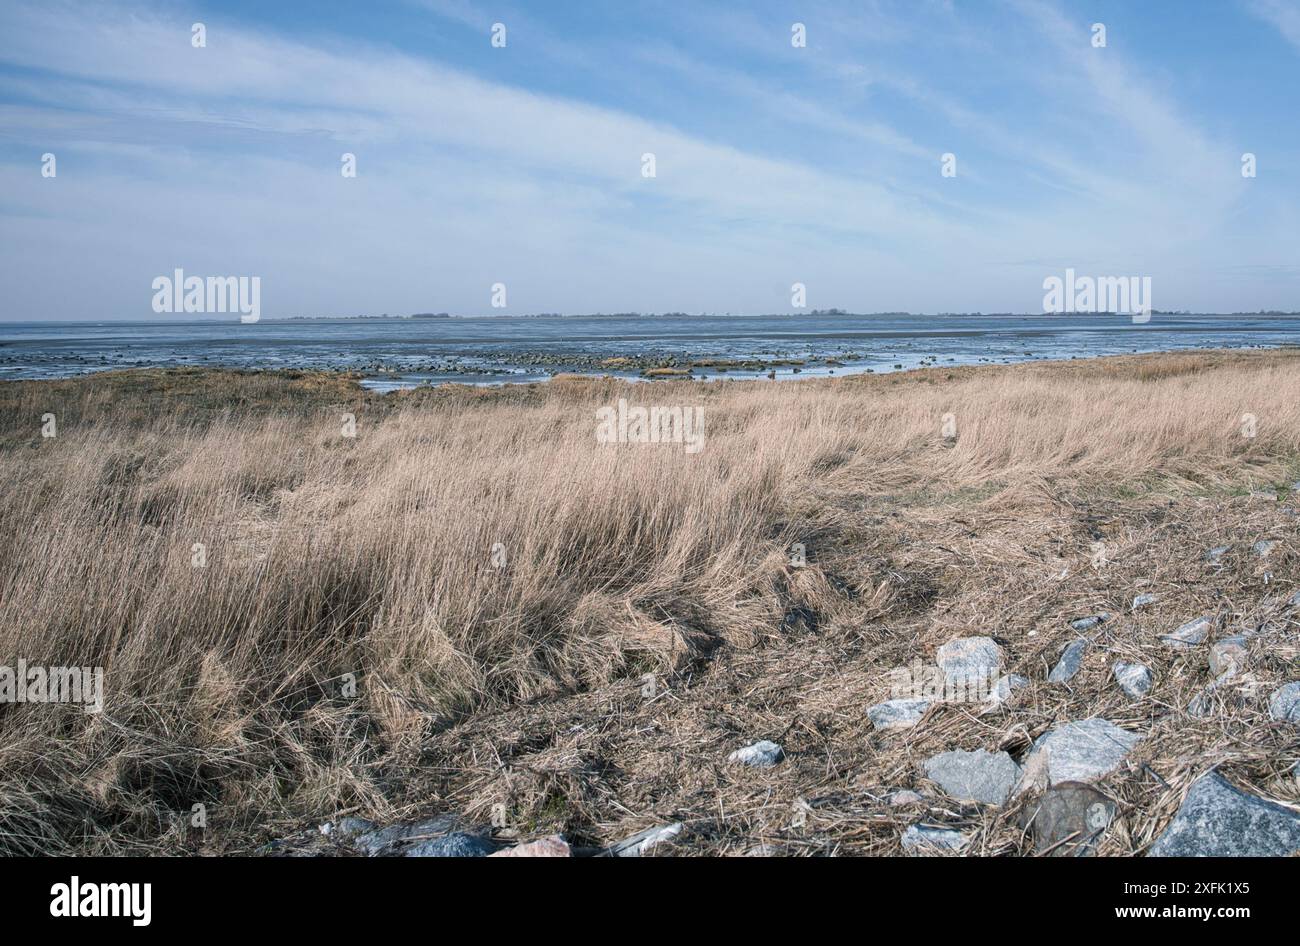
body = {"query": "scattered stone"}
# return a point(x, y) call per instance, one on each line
point(928, 842)
point(970, 659)
point(1089, 622)
point(554, 846)
point(1071, 660)
point(1216, 553)
point(1133, 678)
point(456, 844)
point(897, 714)
point(1143, 600)
point(1005, 686)
point(346, 828)
point(443, 836)
point(1228, 655)
point(1294, 601)
point(1218, 820)
point(1284, 704)
point(1202, 702)
point(761, 755)
point(1263, 547)
point(1069, 820)
point(643, 842)
point(1081, 751)
point(904, 797)
point(985, 777)
point(1190, 634)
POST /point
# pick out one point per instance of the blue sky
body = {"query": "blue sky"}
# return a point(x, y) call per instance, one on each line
point(774, 164)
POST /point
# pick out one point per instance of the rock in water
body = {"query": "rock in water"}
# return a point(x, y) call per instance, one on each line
point(1082, 751)
point(922, 840)
point(1217, 820)
point(1134, 679)
point(1284, 704)
point(986, 777)
point(1069, 820)
point(761, 755)
point(1071, 660)
point(1188, 635)
point(969, 660)
point(897, 714)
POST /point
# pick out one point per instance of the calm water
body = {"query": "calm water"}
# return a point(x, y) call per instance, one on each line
point(398, 352)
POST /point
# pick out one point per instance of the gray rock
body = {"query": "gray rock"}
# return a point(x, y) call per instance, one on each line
point(1089, 622)
point(1263, 547)
point(985, 777)
point(1217, 820)
point(1069, 820)
point(1143, 600)
point(1284, 704)
point(761, 755)
point(1188, 635)
point(1228, 655)
point(643, 842)
point(897, 714)
point(456, 844)
point(1081, 751)
point(1069, 663)
point(1006, 685)
point(346, 828)
point(446, 836)
point(1133, 678)
point(1201, 705)
point(904, 797)
point(969, 660)
point(1216, 553)
point(1294, 601)
point(926, 841)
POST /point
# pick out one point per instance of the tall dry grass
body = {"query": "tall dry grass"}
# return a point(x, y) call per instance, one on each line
point(350, 602)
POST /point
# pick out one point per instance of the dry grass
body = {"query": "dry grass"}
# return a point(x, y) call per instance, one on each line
point(331, 559)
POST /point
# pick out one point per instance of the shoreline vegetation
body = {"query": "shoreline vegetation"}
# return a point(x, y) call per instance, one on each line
point(456, 600)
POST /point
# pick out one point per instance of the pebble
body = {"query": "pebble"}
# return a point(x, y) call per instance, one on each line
point(1284, 704)
point(1069, 663)
point(1089, 622)
point(897, 714)
point(1216, 553)
point(1228, 655)
point(1133, 678)
point(925, 841)
point(760, 755)
point(1143, 600)
point(1189, 634)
